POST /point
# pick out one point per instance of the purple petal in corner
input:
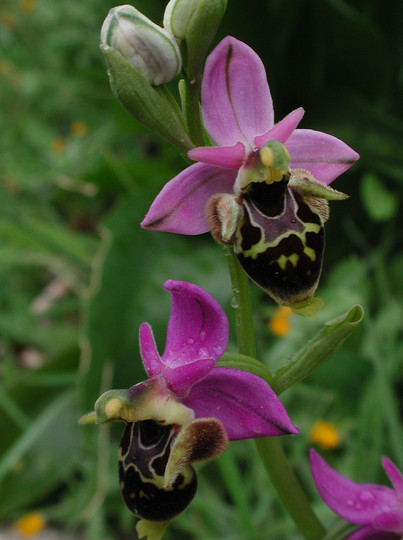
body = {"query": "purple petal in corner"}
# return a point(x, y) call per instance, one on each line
point(395, 476)
point(358, 503)
point(243, 402)
point(369, 533)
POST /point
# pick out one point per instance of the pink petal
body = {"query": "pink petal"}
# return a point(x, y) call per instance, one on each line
point(236, 100)
point(325, 156)
point(243, 402)
point(394, 474)
point(368, 533)
point(151, 359)
point(181, 379)
point(180, 205)
point(282, 130)
point(358, 503)
point(198, 326)
point(390, 521)
point(229, 157)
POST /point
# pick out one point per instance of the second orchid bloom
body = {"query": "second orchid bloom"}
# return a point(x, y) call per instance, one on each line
point(186, 410)
point(264, 188)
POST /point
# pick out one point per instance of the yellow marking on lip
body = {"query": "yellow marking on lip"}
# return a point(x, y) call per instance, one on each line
point(262, 246)
point(311, 253)
point(283, 259)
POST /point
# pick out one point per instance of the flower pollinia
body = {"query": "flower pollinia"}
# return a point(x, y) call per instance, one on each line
point(264, 188)
point(377, 510)
point(148, 47)
point(186, 411)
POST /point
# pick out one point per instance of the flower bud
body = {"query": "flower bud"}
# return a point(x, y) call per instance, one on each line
point(149, 48)
point(178, 15)
point(195, 21)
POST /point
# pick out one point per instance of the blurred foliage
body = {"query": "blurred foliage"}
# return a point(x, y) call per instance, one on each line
point(78, 275)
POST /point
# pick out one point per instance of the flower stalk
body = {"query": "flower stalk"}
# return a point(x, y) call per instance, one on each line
point(271, 450)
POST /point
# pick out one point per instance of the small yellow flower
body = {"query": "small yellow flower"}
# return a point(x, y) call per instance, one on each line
point(30, 525)
point(58, 145)
point(27, 5)
point(79, 128)
point(280, 323)
point(325, 435)
point(7, 19)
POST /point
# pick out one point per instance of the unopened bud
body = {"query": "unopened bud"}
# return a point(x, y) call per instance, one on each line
point(195, 21)
point(148, 47)
point(178, 15)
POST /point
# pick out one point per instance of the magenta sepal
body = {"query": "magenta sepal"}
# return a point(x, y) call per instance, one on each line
point(243, 402)
point(378, 509)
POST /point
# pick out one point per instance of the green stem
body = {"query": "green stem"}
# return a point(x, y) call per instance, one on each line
point(192, 112)
point(288, 488)
point(270, 449)
point(242, 304)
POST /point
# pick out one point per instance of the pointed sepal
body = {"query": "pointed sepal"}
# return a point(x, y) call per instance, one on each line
point(311, 187)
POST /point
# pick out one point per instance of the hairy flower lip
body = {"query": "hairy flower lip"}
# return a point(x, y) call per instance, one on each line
point(239, 118)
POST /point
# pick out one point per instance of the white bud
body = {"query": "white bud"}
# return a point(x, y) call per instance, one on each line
point(177, 16)
point(147, 46)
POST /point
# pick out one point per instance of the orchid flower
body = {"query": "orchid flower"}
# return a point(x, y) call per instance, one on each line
point(186, 410)
point(264, 185)
point(378, 510)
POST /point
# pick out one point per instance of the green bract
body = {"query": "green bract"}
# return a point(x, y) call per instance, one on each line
point(150, 106)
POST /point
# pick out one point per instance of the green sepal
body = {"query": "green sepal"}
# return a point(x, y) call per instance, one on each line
point(313, 188)
point(200, 33)
point(148, 106)
point(246, 363)
point(113, 405)
point(319, 349)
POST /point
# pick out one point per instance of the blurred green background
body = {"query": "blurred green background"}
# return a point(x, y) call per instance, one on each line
point(78, 275)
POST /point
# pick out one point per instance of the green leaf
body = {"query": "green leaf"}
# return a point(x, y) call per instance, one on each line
point(378, 201)
point(41, 456)
point(317, 350)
